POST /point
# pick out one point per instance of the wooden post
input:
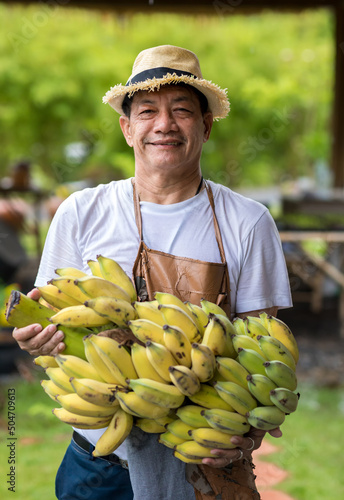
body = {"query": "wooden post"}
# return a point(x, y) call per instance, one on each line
point(338, 103)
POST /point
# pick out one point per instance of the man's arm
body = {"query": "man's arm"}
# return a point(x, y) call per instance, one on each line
point(272, 311)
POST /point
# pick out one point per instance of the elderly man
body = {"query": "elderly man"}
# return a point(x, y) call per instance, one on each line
point(190, 232)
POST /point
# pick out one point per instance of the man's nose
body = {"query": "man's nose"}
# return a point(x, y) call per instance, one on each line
point(165, 121)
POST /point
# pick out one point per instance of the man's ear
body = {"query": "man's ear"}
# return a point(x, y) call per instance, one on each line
point(208, 120)
point(124, 122)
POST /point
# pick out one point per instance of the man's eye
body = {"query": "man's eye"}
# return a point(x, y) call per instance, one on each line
point(146, 111)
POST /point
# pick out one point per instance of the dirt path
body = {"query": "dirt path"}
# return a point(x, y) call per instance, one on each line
point(269, 475)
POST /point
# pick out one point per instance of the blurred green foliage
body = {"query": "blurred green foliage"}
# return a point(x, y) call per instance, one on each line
point(57, 63)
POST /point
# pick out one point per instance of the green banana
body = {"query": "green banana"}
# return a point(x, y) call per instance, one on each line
point(149, 425)
point(231, 370)
point(226, 421)
point(192, 415)
point(211, 308)
point(284, 399)
point(170, 440)
point(162, 394)
point(273, 349)
point(22, 311)
point(239, 326)
point(236, 396)
point(251, 360)
point(281, 374)
point(279, 330)
point(266, 417)
point(246, 342)
point(260, 387)
point(254, 327)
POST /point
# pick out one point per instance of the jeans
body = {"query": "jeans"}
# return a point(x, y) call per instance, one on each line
point(84, 477)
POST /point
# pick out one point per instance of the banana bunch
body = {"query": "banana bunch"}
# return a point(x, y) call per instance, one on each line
point(193, 377)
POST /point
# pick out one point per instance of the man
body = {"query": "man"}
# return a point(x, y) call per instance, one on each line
point(189, 232)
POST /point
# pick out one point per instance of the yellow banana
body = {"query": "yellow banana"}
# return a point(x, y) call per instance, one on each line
point(117, 353)
point(111, 309)
point(95, 268)
point(167, 419)
point(192, 415)
point(59, 378)
point(97, 359)
point(169, 439)
point(93, 286)
point(192, 449)
point(213, 438)
point(94, 391)
point(208, 397)
point(75, 404)
point(226, 421)
point(273, 349)
point(211, 308)
point(180, 429)
point(266, 417)
point(232, 370)
point(80, 421)
point(159, 393)
point(281, 374)
point(160, 358)
point(78, 316)
point(150, 425)
point(164, 298)
point(45, 361)
point(52, 389)
point(76, 367)
point(186, 459)
point(203, 361)
point(112, 271)
point(279, 330)
point(118, 429)
point(216, 338)
point(236, 396)
point(56, 298)
point(254, 327)
point(251, 360)
point(175, 316)
point(138, 407)
point(68, 287)
point(184, 379)
point(70, 272)
point(178, 343)
point(260, 387)
point(142, 365)
point(284, 399)
point(149, 310)
point(145, 329)
point(200, 317)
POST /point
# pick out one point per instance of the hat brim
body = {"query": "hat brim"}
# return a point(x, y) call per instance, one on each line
point(217, 98)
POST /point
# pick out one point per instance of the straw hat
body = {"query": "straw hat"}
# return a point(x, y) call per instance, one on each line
point(167, 64)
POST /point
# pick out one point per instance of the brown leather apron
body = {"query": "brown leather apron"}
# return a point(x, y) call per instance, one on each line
point(188, 279)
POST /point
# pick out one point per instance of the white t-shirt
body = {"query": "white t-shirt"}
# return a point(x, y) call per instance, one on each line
point(101, 220)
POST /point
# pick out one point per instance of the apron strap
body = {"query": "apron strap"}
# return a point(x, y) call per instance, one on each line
point(216, 224)
point(137, 211)
point(138, 217)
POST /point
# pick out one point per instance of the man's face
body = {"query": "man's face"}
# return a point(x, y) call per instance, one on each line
point(166, 129)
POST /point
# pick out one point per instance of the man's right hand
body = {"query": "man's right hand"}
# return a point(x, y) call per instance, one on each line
point(37, 340)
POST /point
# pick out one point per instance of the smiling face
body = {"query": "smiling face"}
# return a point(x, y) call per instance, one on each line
point(167, 130)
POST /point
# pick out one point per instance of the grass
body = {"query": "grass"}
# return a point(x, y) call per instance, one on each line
point(310, 449)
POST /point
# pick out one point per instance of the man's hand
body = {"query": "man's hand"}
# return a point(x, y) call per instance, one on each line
point(245, 445)
point(36, 340)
